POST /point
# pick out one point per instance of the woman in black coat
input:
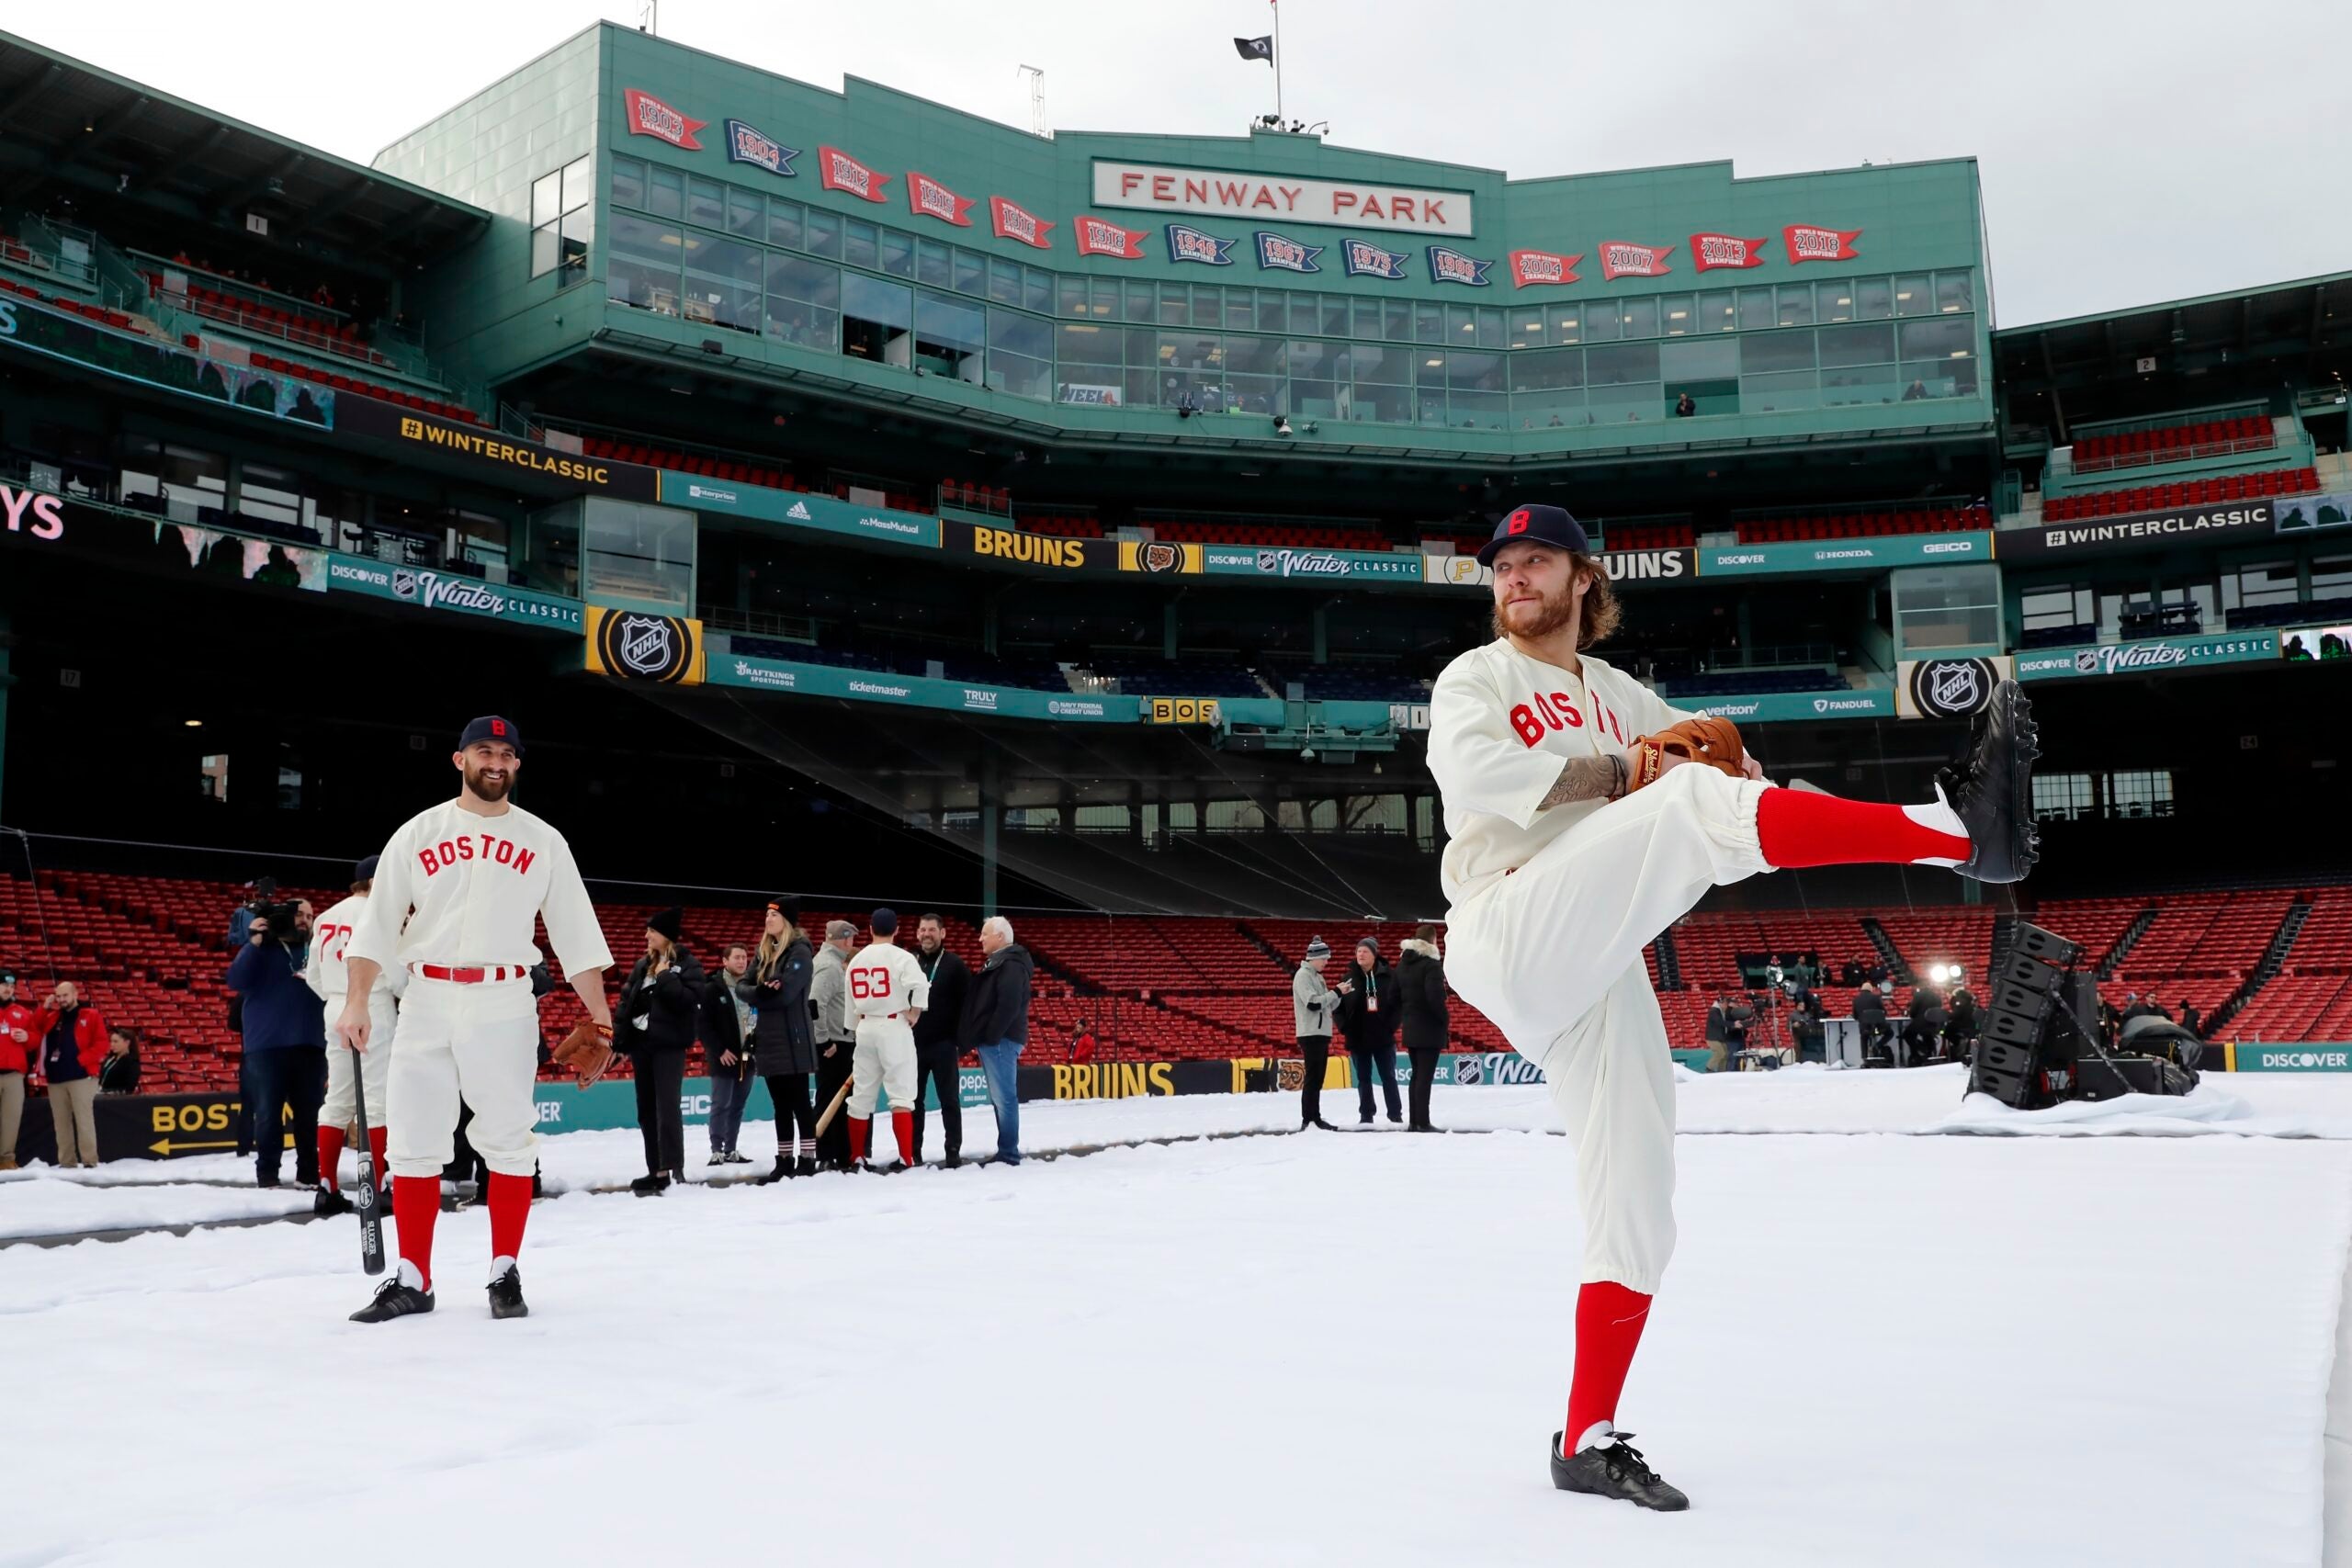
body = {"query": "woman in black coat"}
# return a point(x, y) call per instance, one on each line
point(784, 1045)
point(1420, 1001)
point(655, 1024)
point(1367, 1018)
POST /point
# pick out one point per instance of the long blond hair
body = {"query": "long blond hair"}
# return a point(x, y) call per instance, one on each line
point(771, 946)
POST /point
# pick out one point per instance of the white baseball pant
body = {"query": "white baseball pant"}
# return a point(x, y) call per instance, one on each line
point(480, 1043)
point(341, 1107)
point(884, 1059)
point(1553, 954)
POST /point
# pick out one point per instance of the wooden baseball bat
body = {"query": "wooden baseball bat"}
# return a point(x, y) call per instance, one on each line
point(840, 1096)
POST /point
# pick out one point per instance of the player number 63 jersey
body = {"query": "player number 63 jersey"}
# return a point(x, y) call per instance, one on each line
point(883, 979)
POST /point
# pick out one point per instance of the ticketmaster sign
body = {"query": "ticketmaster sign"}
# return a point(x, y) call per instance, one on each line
point(447, 590)
point(2147, 656)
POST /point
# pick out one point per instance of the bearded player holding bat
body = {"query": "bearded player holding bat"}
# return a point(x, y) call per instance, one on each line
point(1585, 816)
point(478, 870)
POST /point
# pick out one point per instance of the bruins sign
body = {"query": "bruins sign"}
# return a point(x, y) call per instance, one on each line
point(631, 645)
point(1048, 552)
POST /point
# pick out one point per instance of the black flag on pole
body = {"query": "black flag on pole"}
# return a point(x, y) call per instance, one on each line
point(1255, 48)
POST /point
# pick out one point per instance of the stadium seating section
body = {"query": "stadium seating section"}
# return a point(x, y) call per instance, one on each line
point(1063, 527)
point(728, 469)
point(2187, 493)
point(98, 313)
point(1294, 535)
point(339, 336)
point(1865, 524)
point(300, 372)
point(149, 952)
point(2177, 443)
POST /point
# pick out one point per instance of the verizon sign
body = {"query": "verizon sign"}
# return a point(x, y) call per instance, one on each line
point(1339, 204)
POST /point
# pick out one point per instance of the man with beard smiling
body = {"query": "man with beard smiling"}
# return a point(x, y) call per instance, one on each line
point(477, 870)
point(1577, 833)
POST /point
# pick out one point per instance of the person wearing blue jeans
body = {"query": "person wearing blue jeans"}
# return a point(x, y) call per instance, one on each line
point(996, 1010)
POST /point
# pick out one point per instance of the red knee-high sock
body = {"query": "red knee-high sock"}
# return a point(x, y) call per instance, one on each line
point(1798, 828)
point(376, 1139)
point(1608, 1325)
point(416, 1203)
point(330, 1155)
point(902, 1126)
point(510, 1205)
point(861, 1129)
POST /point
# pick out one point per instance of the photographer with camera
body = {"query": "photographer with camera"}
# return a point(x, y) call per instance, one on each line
point(285, 1039)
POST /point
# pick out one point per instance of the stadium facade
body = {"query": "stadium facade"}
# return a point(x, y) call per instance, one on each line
point(842, 479)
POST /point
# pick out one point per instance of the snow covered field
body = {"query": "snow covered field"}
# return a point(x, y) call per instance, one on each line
point(1330, 1350)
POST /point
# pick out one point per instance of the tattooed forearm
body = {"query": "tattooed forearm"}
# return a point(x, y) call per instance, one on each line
point(1587, 778)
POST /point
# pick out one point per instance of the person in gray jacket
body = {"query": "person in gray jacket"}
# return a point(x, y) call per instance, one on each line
point(829, 1000)
point(1312, 1002)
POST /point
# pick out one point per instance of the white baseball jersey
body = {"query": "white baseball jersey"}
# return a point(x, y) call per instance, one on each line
point(1500, 726)
point(330, 936)
point(883, 981)
point(476, 885)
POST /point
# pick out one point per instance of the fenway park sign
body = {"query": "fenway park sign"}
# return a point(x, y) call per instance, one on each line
point(1338, 204)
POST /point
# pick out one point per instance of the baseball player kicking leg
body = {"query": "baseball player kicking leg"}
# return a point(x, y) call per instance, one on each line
point(477, 872)
point(1585, 816)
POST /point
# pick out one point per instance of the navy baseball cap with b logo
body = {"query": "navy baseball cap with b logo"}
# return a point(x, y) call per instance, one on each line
point(1539, 523)
point(491, 727)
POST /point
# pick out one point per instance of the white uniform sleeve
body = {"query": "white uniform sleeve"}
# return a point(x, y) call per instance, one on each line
point(1656, 713)
point(375, 935)
point(918, 988)
point(1479, 762)
point(572, 929)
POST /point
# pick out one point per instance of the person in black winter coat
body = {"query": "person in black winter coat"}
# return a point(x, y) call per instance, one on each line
point(995, 1020)
point(655, 1022)
point(939, 1035)
point(1869, 1022)
point(725, 1029)
point(1420, 1002)
point(784, 1041)
point(1367, 1019)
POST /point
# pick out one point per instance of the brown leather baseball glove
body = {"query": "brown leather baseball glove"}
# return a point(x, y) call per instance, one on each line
point(586, 1051)
point(1714, 741)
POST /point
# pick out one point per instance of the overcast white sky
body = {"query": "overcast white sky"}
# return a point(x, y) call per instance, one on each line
point(2132, 152)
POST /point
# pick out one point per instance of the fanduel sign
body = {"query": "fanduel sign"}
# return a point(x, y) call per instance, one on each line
point(1338, 204)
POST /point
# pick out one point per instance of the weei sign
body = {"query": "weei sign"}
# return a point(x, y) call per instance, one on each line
point(2234, 521)
point(429, 590)
point(2149, 656)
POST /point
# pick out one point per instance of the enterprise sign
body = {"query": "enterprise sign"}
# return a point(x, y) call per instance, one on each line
point(1337, 203)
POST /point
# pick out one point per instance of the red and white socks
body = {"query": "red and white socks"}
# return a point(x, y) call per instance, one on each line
point(1609, 1319)
point(1800, 827)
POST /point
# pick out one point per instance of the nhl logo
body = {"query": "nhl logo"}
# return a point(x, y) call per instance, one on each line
point(1951, 688)
point(404, 584)
point(645, 644)
point(1469, 1069)
point(1270, 560)
point(2086, 661)
point(1157, 557)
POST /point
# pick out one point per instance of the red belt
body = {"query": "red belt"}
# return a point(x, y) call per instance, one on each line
point(474, 977)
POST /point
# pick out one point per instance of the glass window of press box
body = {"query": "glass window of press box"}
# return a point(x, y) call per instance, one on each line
point(630, 554)
point(1942, 610)
point(757, 263)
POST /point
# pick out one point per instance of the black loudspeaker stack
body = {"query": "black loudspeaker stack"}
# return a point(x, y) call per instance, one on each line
point(2017, 1061)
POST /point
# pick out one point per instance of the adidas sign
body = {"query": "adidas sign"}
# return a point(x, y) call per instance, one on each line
point(799, 512)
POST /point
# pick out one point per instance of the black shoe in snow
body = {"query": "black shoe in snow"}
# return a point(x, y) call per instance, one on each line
point(783, 1168)
point(804, 1165)
point(507, 1294)
point(1992, 791)
point(394, 1299)
point(1614, 1469)
point(329, 1202)
point(650, 1186)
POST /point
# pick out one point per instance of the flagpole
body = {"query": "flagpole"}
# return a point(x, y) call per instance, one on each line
point(1278, 58)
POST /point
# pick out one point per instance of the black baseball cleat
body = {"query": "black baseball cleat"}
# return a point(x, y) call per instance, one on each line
point(507, 1294)
point(1992, 791)
point(394, 1298)
point(328, 1201)
point(1614, 1469)
point(651, 1186)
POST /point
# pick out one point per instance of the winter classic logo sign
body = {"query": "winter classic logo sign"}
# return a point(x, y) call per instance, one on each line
point(648, 116)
